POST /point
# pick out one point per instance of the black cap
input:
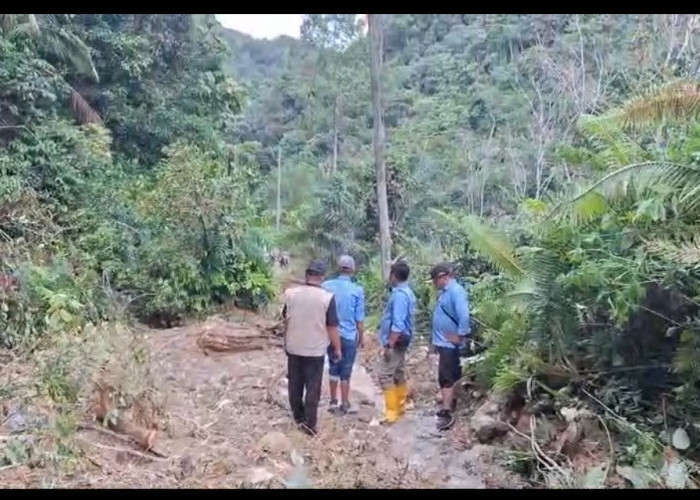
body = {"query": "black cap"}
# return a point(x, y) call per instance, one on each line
point(316, 267)
point(440, 270)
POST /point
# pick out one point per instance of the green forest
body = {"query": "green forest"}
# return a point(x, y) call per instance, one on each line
point(149, 163)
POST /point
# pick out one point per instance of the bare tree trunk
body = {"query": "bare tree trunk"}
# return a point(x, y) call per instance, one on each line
point(334, 165)
point(279, 187)
point(376, 49)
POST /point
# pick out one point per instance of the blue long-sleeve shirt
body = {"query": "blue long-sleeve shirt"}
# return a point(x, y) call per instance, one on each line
point(350, 304)
point(451, 315)
point(398, 315)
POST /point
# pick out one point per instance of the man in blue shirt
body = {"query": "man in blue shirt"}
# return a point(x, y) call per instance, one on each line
point(395, 334)
point(350, 304)
point(450, 331)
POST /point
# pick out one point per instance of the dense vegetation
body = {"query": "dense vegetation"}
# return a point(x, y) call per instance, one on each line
point(552, 157)
point(121, 181)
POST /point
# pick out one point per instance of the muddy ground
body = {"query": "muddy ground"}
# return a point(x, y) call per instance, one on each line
point(223, 421)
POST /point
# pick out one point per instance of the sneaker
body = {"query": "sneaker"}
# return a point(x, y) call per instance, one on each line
point(333, 406)
point(347, 409)
point(445, 420)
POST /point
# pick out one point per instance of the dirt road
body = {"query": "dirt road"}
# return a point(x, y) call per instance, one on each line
point(224, 423)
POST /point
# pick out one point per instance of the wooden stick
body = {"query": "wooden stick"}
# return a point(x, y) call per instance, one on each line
point(121, 437)
point(125, 450)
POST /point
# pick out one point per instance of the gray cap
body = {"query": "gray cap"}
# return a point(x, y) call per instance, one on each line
point(346, 263)
point(317, 267)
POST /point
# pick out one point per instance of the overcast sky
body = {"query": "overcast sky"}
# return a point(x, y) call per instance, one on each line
point(263, 25)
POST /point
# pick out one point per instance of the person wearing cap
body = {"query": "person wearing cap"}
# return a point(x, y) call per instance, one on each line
point(311, 323)
point(449, 332)
point(350, 303)
point(395, 335)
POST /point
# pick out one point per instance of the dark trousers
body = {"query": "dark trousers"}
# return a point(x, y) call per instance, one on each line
point(449, 367)
point(305, 374)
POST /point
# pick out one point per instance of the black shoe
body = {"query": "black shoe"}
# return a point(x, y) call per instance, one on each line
point(309, 431)
point(445, 420)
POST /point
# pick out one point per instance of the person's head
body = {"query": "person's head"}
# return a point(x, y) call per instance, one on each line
point(346, 265)
point(399, 273)
point(441, 275)
point(315, 272)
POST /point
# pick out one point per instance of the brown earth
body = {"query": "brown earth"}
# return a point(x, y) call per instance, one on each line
point(221, 420)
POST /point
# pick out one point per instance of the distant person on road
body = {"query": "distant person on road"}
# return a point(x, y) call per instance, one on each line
point(311, 323)
point(450, 331)
point(350, 303)
point(395, 335)
point(284, 260)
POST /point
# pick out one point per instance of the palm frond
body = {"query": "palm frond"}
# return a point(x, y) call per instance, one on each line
point(488, 243)
point(678, 100)
point(523, 294)
point(69, 48)
point(589, 206)
point(56, 40)
point(681, 178)
point(16, 25)
point(52, 38)
point(686, 253)
point(610, 142)
point(8, 22)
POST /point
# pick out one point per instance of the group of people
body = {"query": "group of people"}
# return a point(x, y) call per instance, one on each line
point(277, 257)
point(326, 318)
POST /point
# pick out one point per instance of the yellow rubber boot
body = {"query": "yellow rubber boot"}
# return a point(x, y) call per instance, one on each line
point(391, 405)
point(402, 392)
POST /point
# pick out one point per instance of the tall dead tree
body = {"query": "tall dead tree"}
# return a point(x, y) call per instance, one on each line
point(279, 188)
point(376, 51)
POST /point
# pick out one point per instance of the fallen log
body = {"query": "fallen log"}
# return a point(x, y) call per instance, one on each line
point(222, 337)
point(104, 410)
point(224, 343)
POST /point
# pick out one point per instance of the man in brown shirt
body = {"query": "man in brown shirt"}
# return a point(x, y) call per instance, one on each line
point(311, 322)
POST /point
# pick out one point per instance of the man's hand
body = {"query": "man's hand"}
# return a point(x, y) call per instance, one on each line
point(335, 342)
point(361, 341)
point(431, 350)
point(387, 353)
point(454, 338)
point(394, 338)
